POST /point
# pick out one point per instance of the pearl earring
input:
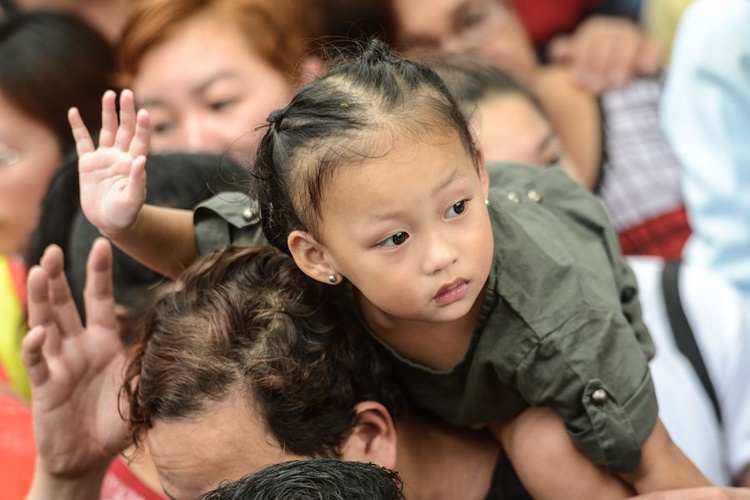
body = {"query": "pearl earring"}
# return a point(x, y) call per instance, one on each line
point(486, 203)
point(332, 278)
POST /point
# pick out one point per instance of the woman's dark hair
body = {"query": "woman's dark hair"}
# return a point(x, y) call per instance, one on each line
point(319, 478)
point(249, 324)
point(361, 109)
point(472, 80)
point(51, 61)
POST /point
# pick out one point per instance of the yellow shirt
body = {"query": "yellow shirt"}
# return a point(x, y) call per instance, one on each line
point(12, 329)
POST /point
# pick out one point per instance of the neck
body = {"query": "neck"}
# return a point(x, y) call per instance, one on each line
point(438, 462)
point(438, 345)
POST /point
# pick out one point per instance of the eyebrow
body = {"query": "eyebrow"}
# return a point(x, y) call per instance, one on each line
point(195, 91)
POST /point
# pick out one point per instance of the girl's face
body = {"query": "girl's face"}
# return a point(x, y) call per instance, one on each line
point(486, 27)
point(411, 231)
point(29, 156)
point(207, 90)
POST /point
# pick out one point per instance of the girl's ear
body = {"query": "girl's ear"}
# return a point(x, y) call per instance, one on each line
point(373, 438)
point(310, 256)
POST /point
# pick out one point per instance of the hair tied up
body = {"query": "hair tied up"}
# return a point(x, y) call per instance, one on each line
point(276, 116)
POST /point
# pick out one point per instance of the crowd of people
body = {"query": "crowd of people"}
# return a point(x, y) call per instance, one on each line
point(489, 249)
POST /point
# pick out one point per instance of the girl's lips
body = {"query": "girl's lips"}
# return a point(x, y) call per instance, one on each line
point(451, 292)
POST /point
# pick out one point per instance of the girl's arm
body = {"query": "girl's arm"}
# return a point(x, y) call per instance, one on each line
point(548, 462)
point(113, 189)
point(664, 466)
point(550, 466)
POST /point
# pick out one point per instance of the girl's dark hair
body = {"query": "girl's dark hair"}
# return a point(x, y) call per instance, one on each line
point(361, 109)
point(249, 324)
point(471, 80)
point(50, 61)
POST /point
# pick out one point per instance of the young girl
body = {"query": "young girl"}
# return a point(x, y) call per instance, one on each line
point(492, 291)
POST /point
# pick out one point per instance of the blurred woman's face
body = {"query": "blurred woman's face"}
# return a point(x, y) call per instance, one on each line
point(510, 128)
point(207, 90)
point(29, 156)
point(486, 27)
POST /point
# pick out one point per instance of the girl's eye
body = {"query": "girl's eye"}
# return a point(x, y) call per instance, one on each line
point(395, 240)
point(457, 209)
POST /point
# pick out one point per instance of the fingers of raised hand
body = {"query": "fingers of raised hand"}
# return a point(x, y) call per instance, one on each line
point(40, 309)
point(140, 145)
point(126, 130)
point(84, 142)
point(109, 120)
point(32, 356)
point(63, 307)
point(99, 294)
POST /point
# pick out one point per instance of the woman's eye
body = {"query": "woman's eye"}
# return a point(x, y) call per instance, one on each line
point(552, 161)
point(395, 240)
point(161, 127)
point(472, 21)
point(456, 209)
point(221, 105)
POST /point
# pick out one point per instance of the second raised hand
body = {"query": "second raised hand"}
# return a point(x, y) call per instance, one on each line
point(112, 173)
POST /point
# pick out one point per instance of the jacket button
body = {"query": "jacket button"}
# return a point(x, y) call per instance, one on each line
point(534, 195)
point(513, 196)
point(599, 397)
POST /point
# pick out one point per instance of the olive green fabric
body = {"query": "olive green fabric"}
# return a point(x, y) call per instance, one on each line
point(560, 323)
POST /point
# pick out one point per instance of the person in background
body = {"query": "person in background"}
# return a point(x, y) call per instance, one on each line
point(706, 116)
point(48, 62)
point(602, 41)
point(210, 71)
point(106, 16)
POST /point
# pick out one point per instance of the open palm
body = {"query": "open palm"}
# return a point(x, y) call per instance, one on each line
point(112, 175)
point(75, 372)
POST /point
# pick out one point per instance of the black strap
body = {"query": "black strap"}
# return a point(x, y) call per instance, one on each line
point(683, 334)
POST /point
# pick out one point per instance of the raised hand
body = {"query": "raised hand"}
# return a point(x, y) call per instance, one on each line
point(112, 175)
point(75, 372)
point(607, 52)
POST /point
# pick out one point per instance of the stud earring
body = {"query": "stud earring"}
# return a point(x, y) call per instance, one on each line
point(486, 202)
point(332, 278)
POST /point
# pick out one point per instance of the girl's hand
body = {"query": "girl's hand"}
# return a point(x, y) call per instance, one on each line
point(112, 175)
point(75, 372)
